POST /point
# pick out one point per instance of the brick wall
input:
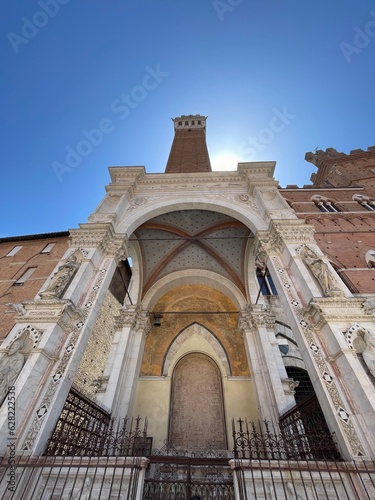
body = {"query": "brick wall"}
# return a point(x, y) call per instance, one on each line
point(13, 267)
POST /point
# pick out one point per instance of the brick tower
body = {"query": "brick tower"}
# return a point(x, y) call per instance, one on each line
point(189, 149)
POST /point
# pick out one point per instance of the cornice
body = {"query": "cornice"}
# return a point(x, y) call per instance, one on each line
point(260, 169)
point(257, 174)
point(126, 175)
point(62, 312)
point(322, 310)
point(103, 237)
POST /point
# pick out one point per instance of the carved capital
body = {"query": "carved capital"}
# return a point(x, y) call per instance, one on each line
point(135, 318)
point(283, 233)
point(245, 321)
point(251, 318)
point(117, 248)
point(268, 242)
point(339, 309)
point(264, 319)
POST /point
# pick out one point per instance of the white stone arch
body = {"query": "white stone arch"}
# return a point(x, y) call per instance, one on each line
point(131, 221)
point(172, 356)
point(193, 277)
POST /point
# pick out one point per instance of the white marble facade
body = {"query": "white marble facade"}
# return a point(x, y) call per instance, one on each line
point(318, 321)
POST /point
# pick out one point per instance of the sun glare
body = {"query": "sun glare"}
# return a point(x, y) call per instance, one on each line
point(225, 161)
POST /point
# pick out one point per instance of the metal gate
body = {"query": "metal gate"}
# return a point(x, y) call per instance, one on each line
point(176, 477)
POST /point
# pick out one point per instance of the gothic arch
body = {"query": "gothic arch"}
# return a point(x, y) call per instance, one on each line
point(169, 361)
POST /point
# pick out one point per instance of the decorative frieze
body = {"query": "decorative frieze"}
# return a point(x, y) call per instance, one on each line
point(92, 235)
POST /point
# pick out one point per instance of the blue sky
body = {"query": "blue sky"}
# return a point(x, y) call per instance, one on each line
point(276, 79)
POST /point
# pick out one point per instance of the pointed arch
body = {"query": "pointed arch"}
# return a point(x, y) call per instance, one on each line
point(206, 334)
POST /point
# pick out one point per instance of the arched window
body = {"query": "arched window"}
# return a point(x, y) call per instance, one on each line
point(324, 204)
point(366, 202)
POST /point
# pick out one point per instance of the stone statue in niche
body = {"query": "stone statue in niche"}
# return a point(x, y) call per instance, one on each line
point(11, 363)
point(368, 353)
point(61, 278)
point(321, 272)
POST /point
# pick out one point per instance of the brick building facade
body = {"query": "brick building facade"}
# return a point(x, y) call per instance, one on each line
point(340, 203)
point(25, 264)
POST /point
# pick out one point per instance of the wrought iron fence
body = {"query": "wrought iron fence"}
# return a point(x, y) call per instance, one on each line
point(85, 429)
point(264, 442)
point(95, 456)
point(304, 430)
point(177, 477)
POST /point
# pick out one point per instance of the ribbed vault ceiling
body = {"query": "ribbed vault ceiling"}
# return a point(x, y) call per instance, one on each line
point(193, 240)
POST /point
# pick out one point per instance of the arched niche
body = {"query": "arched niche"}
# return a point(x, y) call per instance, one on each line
point(197, 418)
